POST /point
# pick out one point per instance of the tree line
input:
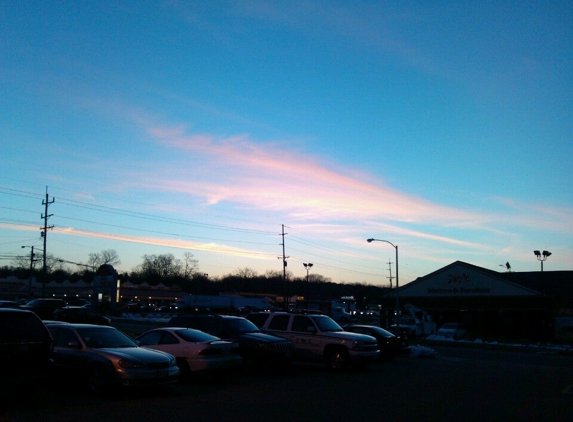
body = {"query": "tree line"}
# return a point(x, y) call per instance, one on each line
point(184, 274)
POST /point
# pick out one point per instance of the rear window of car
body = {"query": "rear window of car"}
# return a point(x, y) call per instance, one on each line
point(195, 336)
point(206, 324)
point(258, 319)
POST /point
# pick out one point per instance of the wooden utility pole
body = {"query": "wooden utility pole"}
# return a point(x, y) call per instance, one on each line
point(44, 230)
point(284, 271)
point(390, 269)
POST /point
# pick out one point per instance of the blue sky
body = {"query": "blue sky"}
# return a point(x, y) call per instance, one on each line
point(190, 126)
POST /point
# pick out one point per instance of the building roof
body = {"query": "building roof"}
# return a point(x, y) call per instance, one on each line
point(463, 279)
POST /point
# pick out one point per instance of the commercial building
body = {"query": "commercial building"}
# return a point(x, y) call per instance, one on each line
point(532, 306)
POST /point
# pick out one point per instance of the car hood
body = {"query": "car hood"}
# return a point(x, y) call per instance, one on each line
point(140, 354)
point(347, 335)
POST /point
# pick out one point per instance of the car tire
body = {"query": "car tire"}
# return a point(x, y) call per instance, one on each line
point(98, 380)
point(337, 359)
point(388, 357)
point(184, 369)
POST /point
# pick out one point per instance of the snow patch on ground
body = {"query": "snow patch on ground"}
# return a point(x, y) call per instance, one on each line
point(532, 346)
point(422, 352)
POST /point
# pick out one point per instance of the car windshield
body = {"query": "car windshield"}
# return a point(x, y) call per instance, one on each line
point(242, 326)
point(325, 323)
point(195, 336)
point(103, 337)
point(382, 332)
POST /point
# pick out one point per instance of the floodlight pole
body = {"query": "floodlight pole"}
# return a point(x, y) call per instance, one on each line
point(542, 257)
point(308, 266)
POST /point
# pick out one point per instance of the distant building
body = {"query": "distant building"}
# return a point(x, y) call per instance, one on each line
point(526, 305)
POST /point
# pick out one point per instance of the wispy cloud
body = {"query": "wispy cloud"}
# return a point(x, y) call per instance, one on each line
point(154, 241)
point(273, 177)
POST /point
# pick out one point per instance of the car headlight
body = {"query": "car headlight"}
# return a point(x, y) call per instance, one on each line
point(130, 364)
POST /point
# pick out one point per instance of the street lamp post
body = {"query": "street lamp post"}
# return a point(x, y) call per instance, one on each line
point(542, 257)
point(397, 282)
point(308, 266)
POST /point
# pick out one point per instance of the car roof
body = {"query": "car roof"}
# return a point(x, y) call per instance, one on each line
point(173, 329)
point(16, 310)
point(313, 313)
point(78, 325)
point(71, 307)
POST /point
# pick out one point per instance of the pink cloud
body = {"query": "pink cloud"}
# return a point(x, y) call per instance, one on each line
point(273, 177)
point(173, 243)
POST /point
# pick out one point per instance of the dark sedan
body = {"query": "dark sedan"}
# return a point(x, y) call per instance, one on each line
point(389, 344)
point(80, 315)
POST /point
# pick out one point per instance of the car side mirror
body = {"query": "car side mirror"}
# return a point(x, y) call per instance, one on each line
point(74, 345)
point(311, 329)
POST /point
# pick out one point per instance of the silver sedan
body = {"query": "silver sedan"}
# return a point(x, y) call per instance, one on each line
point(194, 349)
point(104, 357)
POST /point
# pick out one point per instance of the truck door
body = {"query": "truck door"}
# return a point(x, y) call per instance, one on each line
point(307, 341)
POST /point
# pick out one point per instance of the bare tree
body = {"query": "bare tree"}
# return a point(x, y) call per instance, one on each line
point(245, 272)
point(108, 256)
point(21, 261)
point(273, 274)
point(317, 278)
point(191, 265)
point(160, 267)
point(52, 263)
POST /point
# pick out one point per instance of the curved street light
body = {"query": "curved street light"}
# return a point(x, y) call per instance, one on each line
point(397, 312)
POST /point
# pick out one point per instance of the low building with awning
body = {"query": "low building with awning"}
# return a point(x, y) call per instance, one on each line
point(522, 305)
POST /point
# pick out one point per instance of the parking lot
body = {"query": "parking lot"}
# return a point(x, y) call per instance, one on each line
point(461, 383)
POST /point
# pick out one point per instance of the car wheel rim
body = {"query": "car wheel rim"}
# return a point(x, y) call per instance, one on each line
point(337, 360)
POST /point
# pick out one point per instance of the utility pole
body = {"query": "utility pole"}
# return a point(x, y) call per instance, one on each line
point(284, 270)
point(44, 230)
point(390, 269)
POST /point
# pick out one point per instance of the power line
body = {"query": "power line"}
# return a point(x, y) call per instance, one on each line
point(150, 217)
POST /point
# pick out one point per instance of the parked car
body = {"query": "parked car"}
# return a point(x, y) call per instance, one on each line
point(103, 358)
point(255, 347)
point(80, 315)
point(390, 345)
point(194, 350)
point(79, 302)
point(452, 330)
point(9, 304)
point(44, 308)
point(317, 337)
point(25, 350)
